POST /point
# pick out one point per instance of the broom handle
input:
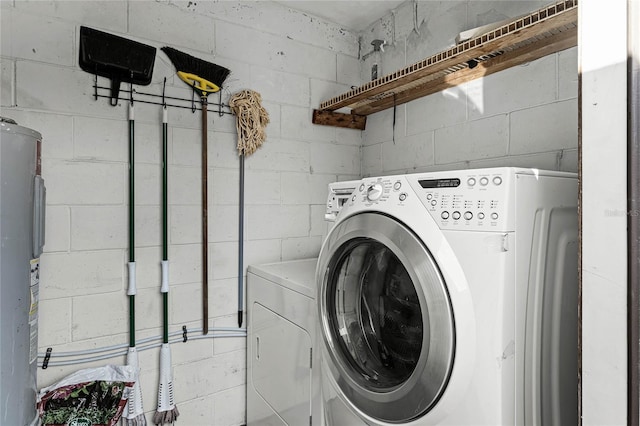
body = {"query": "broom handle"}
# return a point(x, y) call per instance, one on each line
point(131, 291)
point(165, 227)
point(205, 235)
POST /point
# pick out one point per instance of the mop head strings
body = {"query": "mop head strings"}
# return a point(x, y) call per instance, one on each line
point(251, 120)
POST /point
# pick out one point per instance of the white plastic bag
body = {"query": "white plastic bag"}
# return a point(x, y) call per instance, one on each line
point(89, 397)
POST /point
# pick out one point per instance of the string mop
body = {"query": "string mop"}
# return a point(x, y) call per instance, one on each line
point(251, 120)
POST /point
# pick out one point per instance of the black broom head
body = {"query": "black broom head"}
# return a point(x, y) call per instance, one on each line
point(188, 64)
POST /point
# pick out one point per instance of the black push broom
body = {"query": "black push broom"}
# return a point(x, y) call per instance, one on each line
point(204, 78)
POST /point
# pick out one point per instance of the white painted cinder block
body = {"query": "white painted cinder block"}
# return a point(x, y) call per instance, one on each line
point(348, 70)
point(98, 227)
point(280, 86)
point(223, 297)
point(268, 222)
point(222, 149)
point(317, 222)
point(166, 24)
point(297, 125)
point(187, 147)
point(105, 15)
point(258, 252)
point(185, 301)
point(196, 412)
point(184, 185)
point(372, 160)
point(77, 183)
point(274, 52)
point(56, 329)
point(148, 226)
point(100, 139)
point(408, 152)
point(181, 224)
point(186, 264)
point(111, 319)
point(87, 272)
point(73, 94)
point(472, 140)
point(568, 73)
point(440, 23)
point(331, 158)
point(22, 41)
point(435, 111)
point(148, 184)
point(224, 184)
point(261, 187)
point(301, 248)
point(533, 83)
point(544, 161)
point(379, 128)
point(229, 406)
point(57, 229)
point(223, 260)
point(289, 155)
point(544, 128)
point(7, 79)
point(223, 222)
point(273, 18)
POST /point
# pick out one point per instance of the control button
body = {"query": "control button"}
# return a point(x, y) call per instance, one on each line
point(484, 181)
point(403, 196)
point(353, 198)
point(497, 180)
point(456, 215)
point(362, 187)
point(468, 215)
point(374, 192)
point(434, 202)
point(494, 216)
point(444, 215)
point(471, 181)
point(480, 215)
point(429, 196)
point(397, 185)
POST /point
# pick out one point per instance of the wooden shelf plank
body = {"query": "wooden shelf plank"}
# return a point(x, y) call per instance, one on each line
point(337, 119)
point(543, 32)
point(531, 52)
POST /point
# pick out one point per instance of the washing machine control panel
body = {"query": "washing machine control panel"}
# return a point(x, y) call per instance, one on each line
point(461, 200)
point(474, 200)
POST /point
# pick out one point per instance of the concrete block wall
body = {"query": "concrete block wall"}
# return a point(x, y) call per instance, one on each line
point(526, 116)
point(292, 59)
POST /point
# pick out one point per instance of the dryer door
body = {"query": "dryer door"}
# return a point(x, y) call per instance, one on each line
point(386, 318)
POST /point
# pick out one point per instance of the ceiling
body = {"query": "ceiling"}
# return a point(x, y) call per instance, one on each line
point(352, 15)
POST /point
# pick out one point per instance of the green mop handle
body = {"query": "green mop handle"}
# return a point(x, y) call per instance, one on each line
point(132, 257)
point(164, 289)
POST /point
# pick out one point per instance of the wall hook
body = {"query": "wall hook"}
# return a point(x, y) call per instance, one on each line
point(164, 87)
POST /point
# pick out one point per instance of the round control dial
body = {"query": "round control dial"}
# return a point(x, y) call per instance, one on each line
point(456, 215)
point(484, 181)
point(468, 215)
point(374, 192)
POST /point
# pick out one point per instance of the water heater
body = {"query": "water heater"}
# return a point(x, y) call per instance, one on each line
point(22, 208)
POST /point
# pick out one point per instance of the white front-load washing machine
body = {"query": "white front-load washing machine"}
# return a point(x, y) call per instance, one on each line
point(283, 385)
point(450, 298)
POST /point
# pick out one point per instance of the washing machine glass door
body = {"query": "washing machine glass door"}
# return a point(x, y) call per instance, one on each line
point(386, 318)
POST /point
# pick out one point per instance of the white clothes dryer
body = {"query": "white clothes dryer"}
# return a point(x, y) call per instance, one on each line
point(450, 298)
point(283, 386)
